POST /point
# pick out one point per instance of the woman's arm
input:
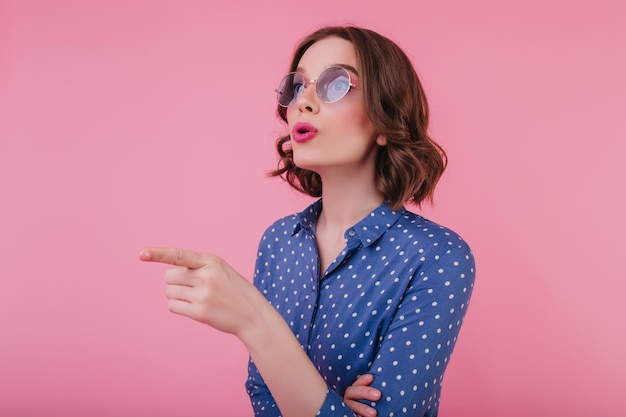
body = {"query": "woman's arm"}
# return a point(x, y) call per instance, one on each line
point(207, 289)
point(415, 349)
point(295, 384)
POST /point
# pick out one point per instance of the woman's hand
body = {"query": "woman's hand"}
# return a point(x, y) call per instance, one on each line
point(205, 288)
point(361, 390)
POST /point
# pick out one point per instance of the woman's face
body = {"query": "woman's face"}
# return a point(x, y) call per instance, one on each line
point(334, 137)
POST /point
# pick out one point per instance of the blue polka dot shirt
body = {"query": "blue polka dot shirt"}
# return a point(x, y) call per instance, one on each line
point(391, 304)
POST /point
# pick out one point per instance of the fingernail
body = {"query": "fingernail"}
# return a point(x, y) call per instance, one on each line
point(145, 255)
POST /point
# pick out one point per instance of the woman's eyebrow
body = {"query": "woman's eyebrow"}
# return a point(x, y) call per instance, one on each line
point(348, 67)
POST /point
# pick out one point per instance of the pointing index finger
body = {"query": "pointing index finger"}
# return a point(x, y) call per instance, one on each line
point(173, 256)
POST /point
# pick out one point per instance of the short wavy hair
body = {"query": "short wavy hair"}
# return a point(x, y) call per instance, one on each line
point(409, 166)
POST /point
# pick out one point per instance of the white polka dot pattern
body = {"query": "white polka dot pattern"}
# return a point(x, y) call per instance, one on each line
point(391, 305)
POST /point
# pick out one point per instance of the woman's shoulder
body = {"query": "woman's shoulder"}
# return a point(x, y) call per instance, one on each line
point(438, 255)
point(291, 223)
point(284, 223)
point(425, 228)
point(433, 241)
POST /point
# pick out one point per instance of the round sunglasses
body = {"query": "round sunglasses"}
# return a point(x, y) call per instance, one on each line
point(332, 85)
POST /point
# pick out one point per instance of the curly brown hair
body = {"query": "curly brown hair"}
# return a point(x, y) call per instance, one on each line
point(409, 166)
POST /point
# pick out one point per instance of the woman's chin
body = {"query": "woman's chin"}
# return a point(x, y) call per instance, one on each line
point(307, 164)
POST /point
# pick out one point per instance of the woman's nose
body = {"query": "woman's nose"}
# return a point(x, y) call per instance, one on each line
point(308, 101)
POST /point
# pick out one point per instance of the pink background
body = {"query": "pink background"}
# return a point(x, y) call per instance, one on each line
point(127, 123)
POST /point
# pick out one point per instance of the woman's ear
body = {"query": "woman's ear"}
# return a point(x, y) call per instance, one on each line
point(381, 140)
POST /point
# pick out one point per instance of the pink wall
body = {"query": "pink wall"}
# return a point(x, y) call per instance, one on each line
point(124, 124)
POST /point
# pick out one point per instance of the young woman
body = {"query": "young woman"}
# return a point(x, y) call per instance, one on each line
point(366, 299)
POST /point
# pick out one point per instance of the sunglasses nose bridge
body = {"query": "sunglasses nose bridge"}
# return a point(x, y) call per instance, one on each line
point(305, 84)
point(318, 92)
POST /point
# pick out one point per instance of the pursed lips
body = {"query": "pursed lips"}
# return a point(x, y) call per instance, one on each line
point(303, 132)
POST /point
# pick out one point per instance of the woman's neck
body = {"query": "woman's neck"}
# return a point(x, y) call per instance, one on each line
point(346, 200)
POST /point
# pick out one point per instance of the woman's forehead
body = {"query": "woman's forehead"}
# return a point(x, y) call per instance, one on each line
point(326, 53)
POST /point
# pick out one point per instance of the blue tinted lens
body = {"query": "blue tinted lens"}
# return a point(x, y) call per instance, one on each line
point(289, 88)
point(333, 84)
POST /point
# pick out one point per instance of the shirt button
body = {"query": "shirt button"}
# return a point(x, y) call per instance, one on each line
point(351, 233)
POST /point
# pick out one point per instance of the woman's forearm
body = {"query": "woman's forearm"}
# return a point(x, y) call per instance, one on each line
point(296, 385)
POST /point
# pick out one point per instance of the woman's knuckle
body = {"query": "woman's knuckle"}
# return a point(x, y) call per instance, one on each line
point(178, 258)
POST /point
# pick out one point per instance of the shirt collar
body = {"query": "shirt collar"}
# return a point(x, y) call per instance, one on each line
point(368, 230)
point(308, 217)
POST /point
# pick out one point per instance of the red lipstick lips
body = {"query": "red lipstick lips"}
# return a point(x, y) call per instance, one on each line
point(303, 132)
